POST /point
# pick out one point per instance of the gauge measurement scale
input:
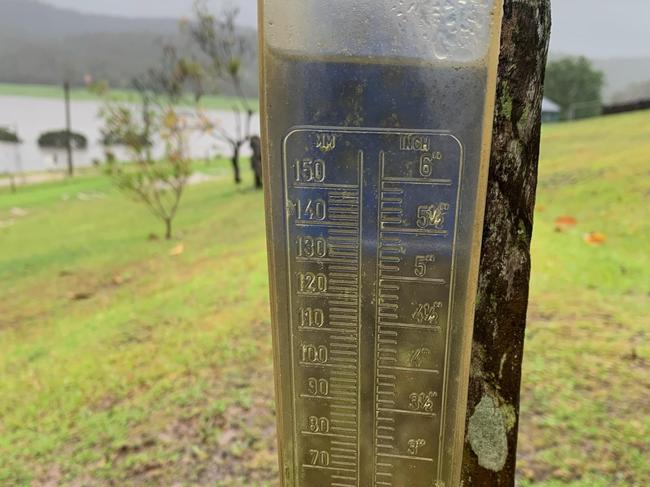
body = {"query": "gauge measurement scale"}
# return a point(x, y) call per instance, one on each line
point(371, 218)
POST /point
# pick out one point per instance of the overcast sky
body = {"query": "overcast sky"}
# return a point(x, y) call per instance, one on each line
point(596, 28)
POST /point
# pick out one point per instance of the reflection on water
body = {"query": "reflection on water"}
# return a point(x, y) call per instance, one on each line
point(30, 117)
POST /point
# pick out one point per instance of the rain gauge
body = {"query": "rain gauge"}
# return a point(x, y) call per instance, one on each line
point(377, 119)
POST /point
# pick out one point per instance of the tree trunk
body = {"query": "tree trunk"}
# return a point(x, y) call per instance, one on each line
point(168, 228)
point(256, 160)
point(68, 125)
point(493, 403)
point(235, 163)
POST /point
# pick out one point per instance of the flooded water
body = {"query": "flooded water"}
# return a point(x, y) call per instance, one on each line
point(30, 117)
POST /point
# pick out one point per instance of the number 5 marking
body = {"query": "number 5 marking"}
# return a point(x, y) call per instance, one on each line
point(421, 264)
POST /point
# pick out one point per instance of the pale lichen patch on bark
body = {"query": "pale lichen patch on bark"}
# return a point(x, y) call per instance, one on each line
point(487, 432)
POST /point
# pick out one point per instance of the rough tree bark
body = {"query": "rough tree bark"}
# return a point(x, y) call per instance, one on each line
point(493, 402)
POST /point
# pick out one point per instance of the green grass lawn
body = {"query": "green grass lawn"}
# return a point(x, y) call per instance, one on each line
point(211, 102)
point(121, 364)
point(586, 402)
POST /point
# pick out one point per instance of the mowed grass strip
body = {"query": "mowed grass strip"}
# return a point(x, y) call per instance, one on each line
point(210, 102)
point(122, 364)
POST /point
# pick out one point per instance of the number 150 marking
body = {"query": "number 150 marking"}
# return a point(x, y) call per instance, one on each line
point(310, 171)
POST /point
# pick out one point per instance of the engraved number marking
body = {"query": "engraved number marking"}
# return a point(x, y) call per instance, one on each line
point(312, 247)
point(421, 264)
point(312, 317)
point(432, 216)
point(427, 313)
point(418, 356)
point(318, 387)
point(319, 425)
point(310, 171)
point(414, 445)
point(315, 354)
point(426, 163)
point(319, 457)
point(422, 401)
point(312, 283)
point(312, 210)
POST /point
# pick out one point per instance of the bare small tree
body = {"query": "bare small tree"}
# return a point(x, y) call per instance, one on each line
point(223, 50)
point(159, 183)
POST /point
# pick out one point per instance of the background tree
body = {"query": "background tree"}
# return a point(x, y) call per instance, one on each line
point(157, 183)
point(223, 51)
point(575, 85)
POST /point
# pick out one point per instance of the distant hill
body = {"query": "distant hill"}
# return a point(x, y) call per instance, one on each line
point(44, 22)
point(632, 93)
point(623, 74)
point(45, 45)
